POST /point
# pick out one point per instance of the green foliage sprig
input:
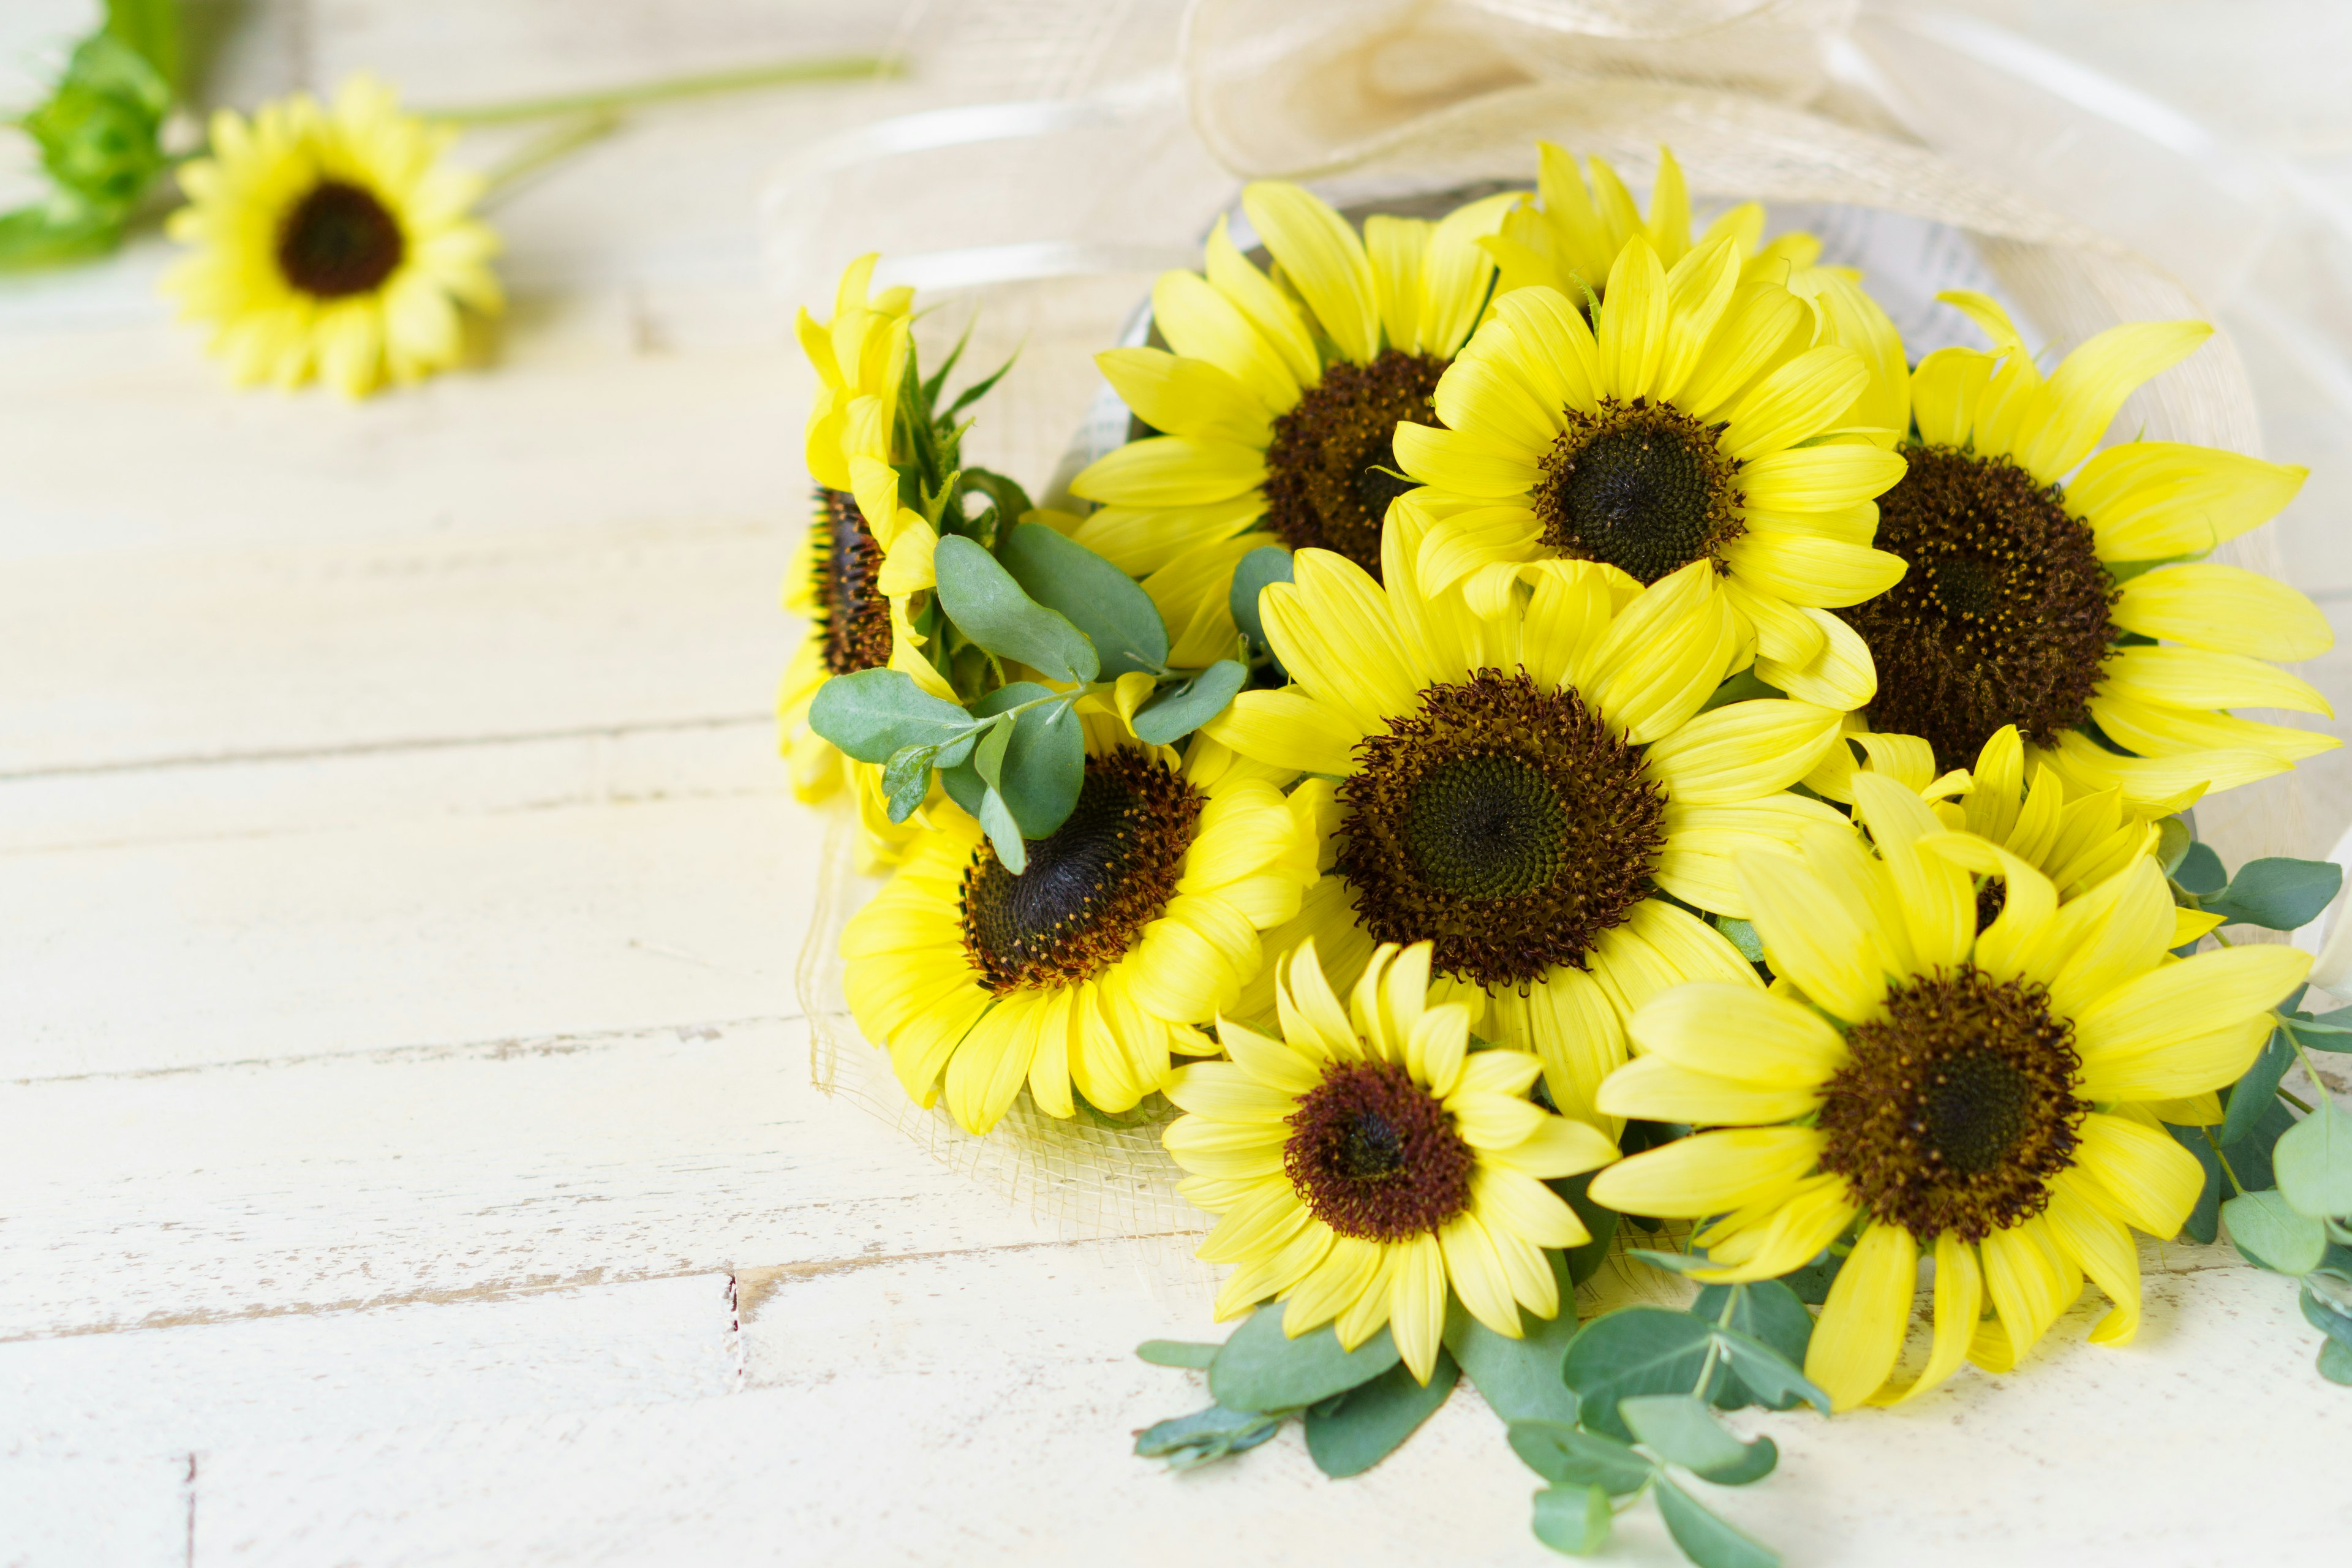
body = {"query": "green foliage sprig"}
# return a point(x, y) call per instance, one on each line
point(99, 133)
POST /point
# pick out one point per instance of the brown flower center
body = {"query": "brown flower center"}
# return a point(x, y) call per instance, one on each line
point(2002, 618)
point(1954, 1111)
point(1329, 474)
point(1092, 885)
point(1509, 826)
point(338, 241)
point(1641, 485)
point(848, 567)
point(1373, 1155)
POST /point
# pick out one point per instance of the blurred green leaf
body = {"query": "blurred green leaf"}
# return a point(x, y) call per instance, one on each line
point(55, 233)
point(1261, 1368)
point(2201, 871)
point(2173, 839)
point(2253, 1094)
point(1566, 1455)
point(2269, 1232)
point(1768, 1311)
point(1205, 1436)
point(1706, 1540)
point(2277, 893)
point(2327, 1032)
point(1178, 1352)
point(1632, 1351)
point(1777, 1381)
point(1368, 1422)
point(1585, 1261)
point(2335, 1361)
point(1572, 1519)
point(152, 28)
point(2313, 1162)
point(1682, 1431)
point(1520, 1378)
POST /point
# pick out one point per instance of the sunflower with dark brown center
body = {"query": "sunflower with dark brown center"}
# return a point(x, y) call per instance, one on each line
point(1275, 407)
point(1641, 486)
point(1368, 1163)
point(1131, 924)
point(1928, 1086)
point(1549, 825)
point(846, 586)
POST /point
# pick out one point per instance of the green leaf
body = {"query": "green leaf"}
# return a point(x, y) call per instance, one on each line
point(1573, 1519)
point(1631, 1351)
point(907, 779)
point(1742, 936)
point(1672, 1262)
point(1205, 1436)
point(1181, 709)
point(152, 27)
point(2313, 1163)
point(2172, 841)
point(2272, 1235)
point(1371, 1420)
point(1811, 1283)
point(1567, 1455)
point(1178, 1352)
point(875, 713)
point(1585, 1261)
point(2335, 1361)
point(2328, 1032)
point(1777, 1381)
point(1106, 603)
point(1266, 563)
point(988, 756)
point(2333, 1321)
point(1769, 1311)
point(1261, 1368)
point(1706, 1540)
point(2255, 1092)
point(1520, 1379)
point(988, 607)
point(2278, 893)
point(1003, 833)
point(1682, 1431)
point(2201, 871)
point(1043, 763)
point(59, 231)
point(98, 131)
point(1743, 686)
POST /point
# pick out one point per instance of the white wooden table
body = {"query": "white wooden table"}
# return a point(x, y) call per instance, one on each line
point(408, 1153)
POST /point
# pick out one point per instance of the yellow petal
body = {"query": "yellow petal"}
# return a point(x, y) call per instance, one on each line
point(1171, 470)
point(1742, 751)
point(2186, 1027)
point(2225, 608)
point(1289, 730)
point(2103, 1250)
point(1738, 1032)
point(1860, 1334)
point(2146, 500)
point(2136, 1173)
point(1325, 262)
point(1959, 1299)
point(2091, 384)
point(1710, 1173)
point(1661, 1091)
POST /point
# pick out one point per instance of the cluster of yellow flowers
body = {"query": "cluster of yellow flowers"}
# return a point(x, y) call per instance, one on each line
point(1644, 601)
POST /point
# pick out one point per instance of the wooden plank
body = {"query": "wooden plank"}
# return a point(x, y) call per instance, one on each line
point(83, 1511)
point(164, 1393)
point(454, 1174)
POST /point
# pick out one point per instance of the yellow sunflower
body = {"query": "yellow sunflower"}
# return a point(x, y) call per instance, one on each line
point(1524, 788)
point(1696, 420)
point(1276, 406)
point(2052, 586)
point(1134, 922)
point(859, 582)
point(1370, 1158)
point(1991, 1096)
point(331, 242)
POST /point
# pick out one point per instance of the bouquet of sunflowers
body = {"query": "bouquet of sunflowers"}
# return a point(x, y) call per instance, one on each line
point(1557, 736)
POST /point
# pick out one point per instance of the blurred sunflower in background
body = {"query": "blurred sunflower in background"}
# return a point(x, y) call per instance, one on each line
point(1993, 1096)
point(1276, 406)
point(1371, 1158)
point(2056, 588)
point(331, 242)
point(1533, 791)
point(1132, 924)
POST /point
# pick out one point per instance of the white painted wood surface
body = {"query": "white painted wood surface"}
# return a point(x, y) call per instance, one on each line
point(407, 1147)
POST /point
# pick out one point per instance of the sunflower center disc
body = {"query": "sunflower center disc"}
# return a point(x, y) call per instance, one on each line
point(1372, 1154)
point(848, 592)
point(1954, 1111)
point(1509, 826)
point(1325, 484)
point(339, 240)
point(1641, 486)
point(1091, 886)
point(2002, 617)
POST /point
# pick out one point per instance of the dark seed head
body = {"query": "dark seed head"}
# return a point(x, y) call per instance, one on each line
point(1374, 1156)
point(2002, 618)
point(1509, 826)
point(1641, 486)
point(1954, 1111)
point(339, 240)
point(1092, 885)
point(1330, 472)
point(849, 566)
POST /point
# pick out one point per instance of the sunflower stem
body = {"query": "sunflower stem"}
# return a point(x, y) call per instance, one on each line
point(783, 73)
point(557, 144)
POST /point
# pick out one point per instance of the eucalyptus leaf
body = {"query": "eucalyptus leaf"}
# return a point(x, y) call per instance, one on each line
point(1585, 1261)
point(1706, 1540)
point(1266, 563)
point(1261, 1368)
point(1573, 1519)
point(1631, 1351)
point(2335, 1361)
point(2253, 1094)
point(1768, 1311)
point(2328, 1032)
point(2278, 893)
point(988, 607)
point(875, 713)
point(1777, 1381)
point(907, 779)
point(1566, 1455)
point(2336, 1324)
point(2272, 1234)
point(2201, 871)
point(1520, 1379)
point(1811, 1283)
point(1743, 936)
point(2313, 1163)
point(1682, 1431)
point(1192, 1353)
point(2172, 841)
point(988, 756)
point(1205, 1436)
point(1672, 1262)
point(1106, 603)
point(1181, 709)
point(1003, 833)
point(1366, 1424)
point(1042, 765)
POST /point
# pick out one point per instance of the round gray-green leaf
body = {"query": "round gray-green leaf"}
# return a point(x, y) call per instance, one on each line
point(1706, 1540)
point(1266, 563)
point(2278, 893)
point(1106, 603)
point(1566, 1455)
point(1574, 1519)
point(2313, 1162)
point(1371, 1420)
point(1181, 709)
point(1680, 1429)
point(991, 609)
point(874, 714)
point(1629, 1352)
point(1261, 1368)
point(2271, 1233)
